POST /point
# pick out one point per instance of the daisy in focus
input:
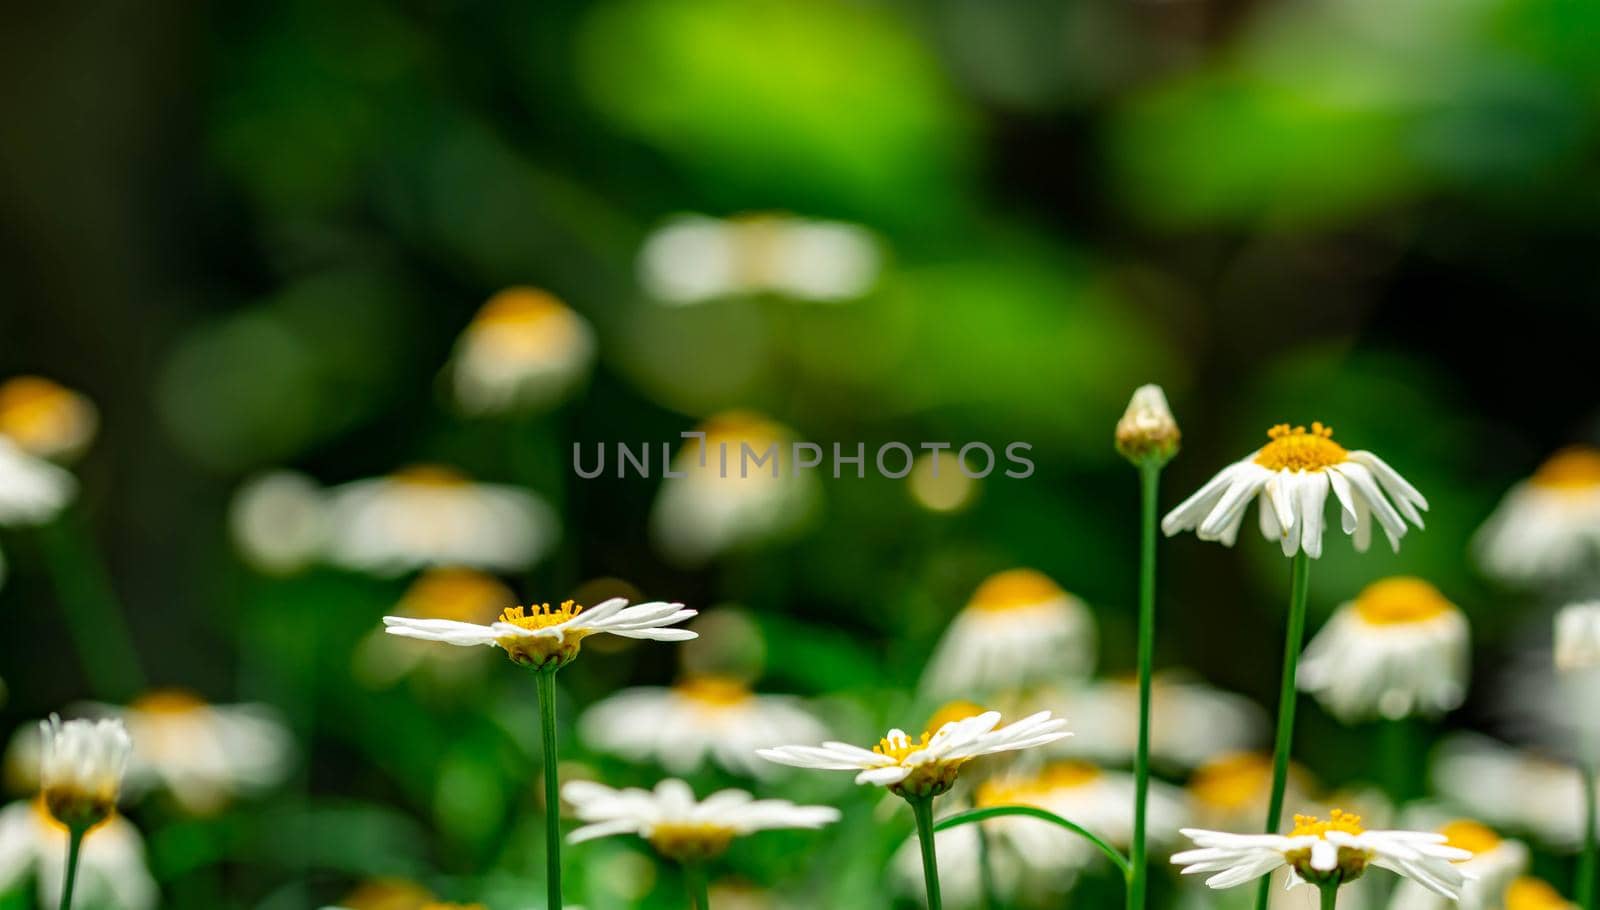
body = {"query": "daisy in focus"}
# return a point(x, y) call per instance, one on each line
point(112, 872)
point(1019, 628)
point(928, 765)
point(1191, 722)
point(429, 515)
point(46, 419)
point(1547, 528)
point(523, 350)
point(1397, 650)
point(1291, 476)
point(716, 718)
point(543, 637)
point(693, 259)
point(1495, 864)
point(677, 825)
point(1326, 854)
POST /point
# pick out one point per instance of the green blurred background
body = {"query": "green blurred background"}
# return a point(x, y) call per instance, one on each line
point(251, 234)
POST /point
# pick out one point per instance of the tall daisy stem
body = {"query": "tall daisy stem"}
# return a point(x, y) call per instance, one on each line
point(699, 886)
point(1149, 485)
point(95, 619)
point(74, 847)
point(1586, 863)
point(1330, 897)
point(552, 788)
point(922, 808)
point(1292, 641)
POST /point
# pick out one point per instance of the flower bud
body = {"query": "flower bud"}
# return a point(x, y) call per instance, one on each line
point(1147, 431)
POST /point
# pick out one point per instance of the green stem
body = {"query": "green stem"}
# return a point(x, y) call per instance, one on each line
point(1400, 754)
point(699, 886)
point(552, 789)
point(95, 619)
point(978, 815)
point(74, 847)
point(1149, 485)
point(1330, 897)
point(1292, 641)
point(922, 808)
point(1586, 863)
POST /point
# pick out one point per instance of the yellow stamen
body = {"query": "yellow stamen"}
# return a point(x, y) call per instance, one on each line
point(1401, 600)
point(1294, 449)
point(1232, 781)
point(1015, 589)
point(714, 691)
point(543, 650)
point(952, 712)
point(1572, 468)
point(430, 475)
point(1466, 834)
point(1534, 894)
point(540, 616)
point(167, 702)
point(899, 747)
point(464, 595)
point(690, 841)
point(1338, 820)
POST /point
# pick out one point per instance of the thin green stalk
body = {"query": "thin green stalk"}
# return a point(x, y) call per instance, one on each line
point(1330, 897)
point(95, 619)
point(1400, 755)
point(1586, 863)
point(1149, 485)
point(978, 815)
point(922, 808)
point(552, 789)
point(1292, 641)
point(74, 847)
point(699, 886)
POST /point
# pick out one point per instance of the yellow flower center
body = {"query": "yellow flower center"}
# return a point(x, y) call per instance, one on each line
point(1572, 468)
point(167, 702)
point(1232, 781)
point(1534, 894)
point(1015, 589)
point(540, 616)
point(1338, 820)
point(430, 475)
point(463, 595)
point(543, 650)
point(519, 306)
point(714, 691)
point(690, 841)
point(952, 712)
point(1466, 834)
point(42, 416)
point(1294, 449)
point(1401, 600)
point(899, 746)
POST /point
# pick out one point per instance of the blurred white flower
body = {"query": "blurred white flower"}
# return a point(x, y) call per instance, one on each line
point(279, 521)
point(1578, 637)
point(677, 825)
point(926, 766)
point(429, 515)
point(523, 350)
point(1533, 894)
point(111, 866)
point(1399, 649)
point(539, 636)
point(1495, 864)
point(694, 258)
point(1292, 476)
point(46, 419)
point(1190, 723)
point(1512, 789)
point(81, 764)
point(1098, 799)
point(725, 499)
point(32, 490)
point(938, 484)
point(702, 717)
point(459, 595)
point(1337, 850)
point(1547, 528)
point(1019, 628)
point(1232, 790)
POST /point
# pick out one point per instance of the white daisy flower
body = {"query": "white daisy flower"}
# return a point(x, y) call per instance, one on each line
point(702, 717)
point(693, 259)
point(739, 487)
point(541, 636)
point(1397, 650)
point(32, 490)
point(112, 873)
point(926, 766)
point(429, 515)
point(279, 522)
point(1578, 637)
point(1495, 864)
point(1233, 790)
point(1547, 527)
point(523, 350)
point(46, 419)
point(1512, 789)
point(1291, 476)
point(677, 825)
point(459, 595)
point(81, 764)
point(1019, 628)
point(1190, 722)
point(1330, 852)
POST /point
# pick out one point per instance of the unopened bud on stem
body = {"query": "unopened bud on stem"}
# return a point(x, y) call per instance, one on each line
point(1147, 431)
